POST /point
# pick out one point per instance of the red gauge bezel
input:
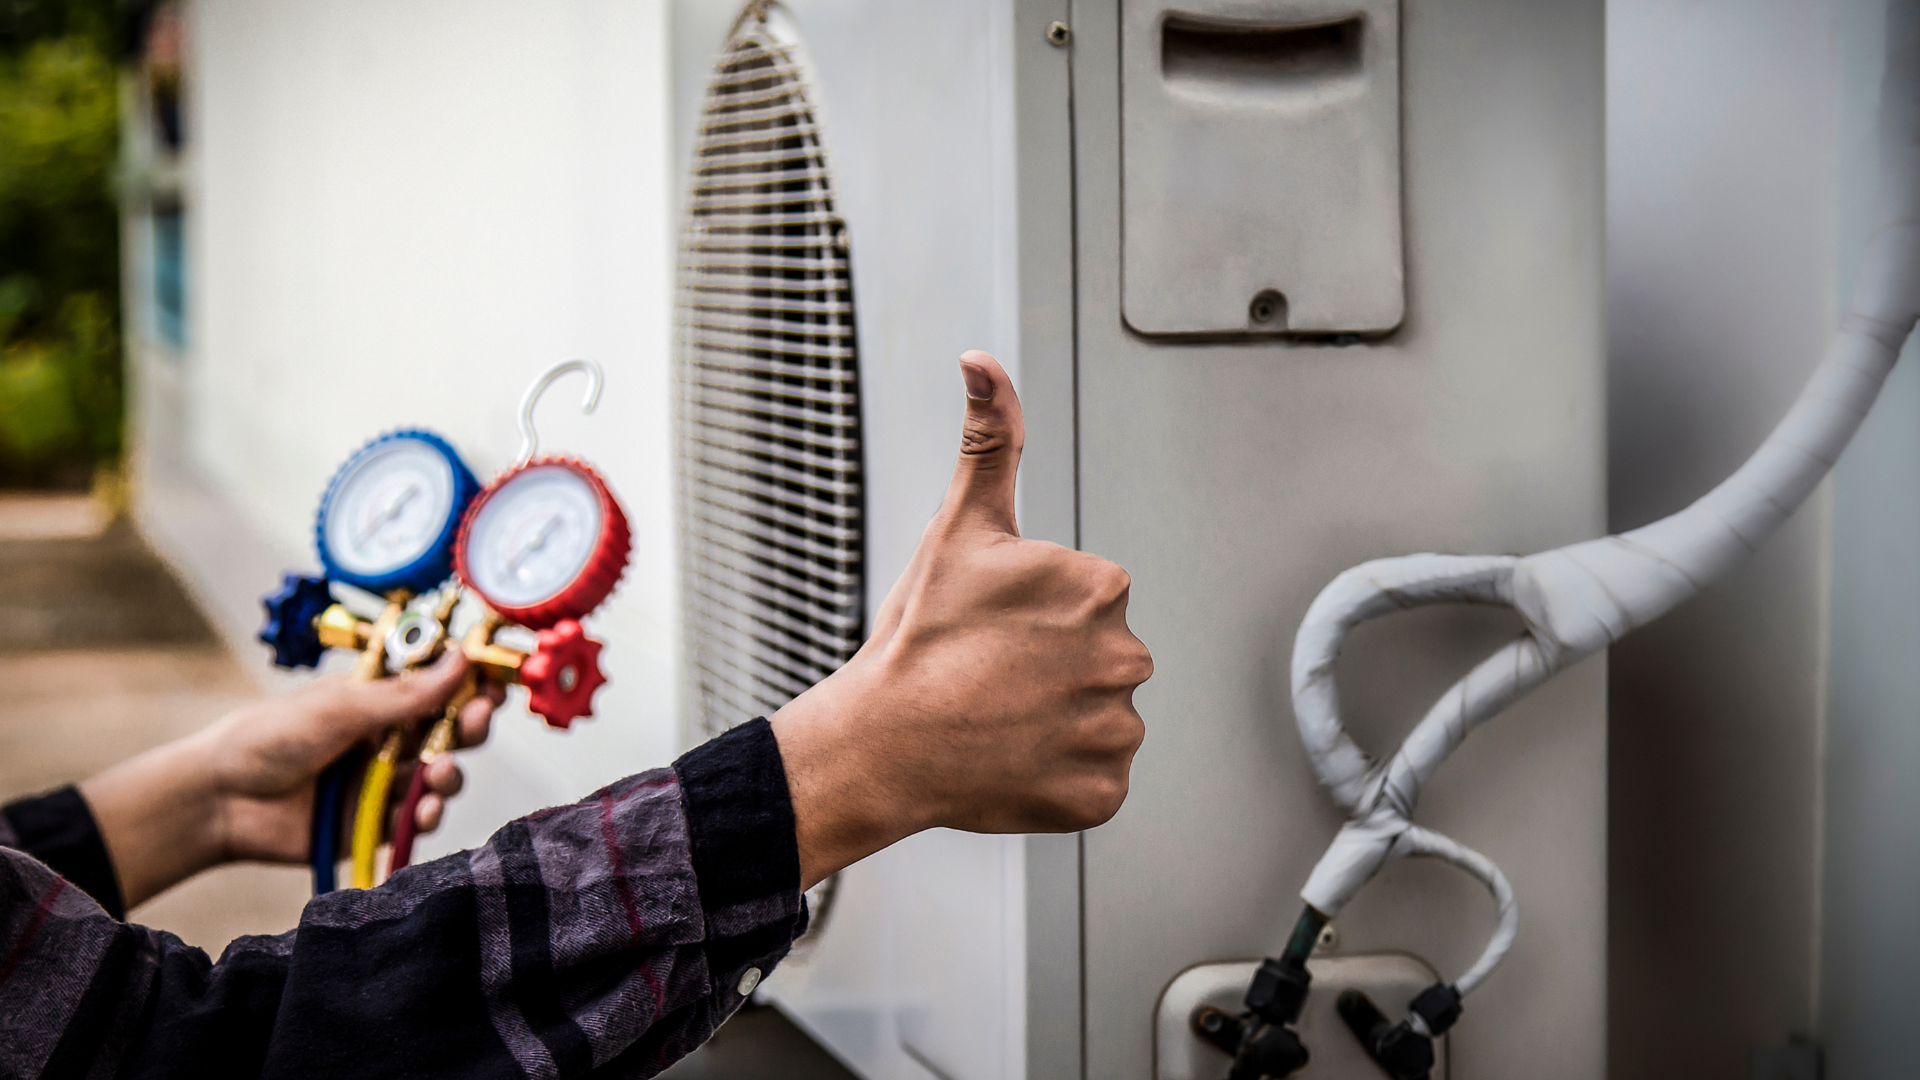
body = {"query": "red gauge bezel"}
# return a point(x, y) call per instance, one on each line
point(597, 576)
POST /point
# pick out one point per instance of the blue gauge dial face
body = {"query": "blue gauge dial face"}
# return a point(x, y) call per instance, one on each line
point(389, 508)
point(533, 536)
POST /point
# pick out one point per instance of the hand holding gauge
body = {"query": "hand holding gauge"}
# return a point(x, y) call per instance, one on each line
point(543, 545)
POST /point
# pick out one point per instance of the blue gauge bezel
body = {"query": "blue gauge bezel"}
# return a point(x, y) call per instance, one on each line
point(436, 564)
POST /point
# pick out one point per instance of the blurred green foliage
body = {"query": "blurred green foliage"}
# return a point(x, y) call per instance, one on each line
point(61, 400)
point(25, 23)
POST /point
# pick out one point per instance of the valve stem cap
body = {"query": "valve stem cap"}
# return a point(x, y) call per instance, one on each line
point(1401, 1052)
point(1270, 1052)
point(562, 674)
point(1278, 990)
point(1439, 1006)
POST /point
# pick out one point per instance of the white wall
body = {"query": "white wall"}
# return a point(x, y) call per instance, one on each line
point(1723, 266)
point(400, 211)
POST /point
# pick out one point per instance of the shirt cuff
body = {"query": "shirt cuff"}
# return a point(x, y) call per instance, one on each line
point(58, 829)
point(740, 818)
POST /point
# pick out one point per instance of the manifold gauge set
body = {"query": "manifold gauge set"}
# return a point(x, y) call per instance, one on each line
point(405, 520)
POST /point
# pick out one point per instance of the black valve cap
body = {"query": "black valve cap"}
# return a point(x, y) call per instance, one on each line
point(1272, 1052)
point(1439, 1006)
point(1278, 990)
point(1403, 1053)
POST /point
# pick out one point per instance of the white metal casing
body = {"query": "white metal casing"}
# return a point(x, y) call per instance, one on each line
point(978, 167)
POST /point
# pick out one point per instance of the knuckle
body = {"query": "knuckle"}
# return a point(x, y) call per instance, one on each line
point(1113, 735)
point(978, 437)
point(1100, 799)
point(1125, 732)
point(1128, 663)
point(1139, 663)
point(1099, 583)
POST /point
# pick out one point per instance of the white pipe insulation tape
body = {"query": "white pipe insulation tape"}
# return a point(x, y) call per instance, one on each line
point(1576, 600)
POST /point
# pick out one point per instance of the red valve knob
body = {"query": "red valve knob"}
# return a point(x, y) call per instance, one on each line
point(562, 674)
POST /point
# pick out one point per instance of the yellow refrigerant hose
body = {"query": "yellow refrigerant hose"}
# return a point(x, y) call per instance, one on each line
point(368, 825)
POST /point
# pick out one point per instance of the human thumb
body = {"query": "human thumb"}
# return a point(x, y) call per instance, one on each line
point(982, 490)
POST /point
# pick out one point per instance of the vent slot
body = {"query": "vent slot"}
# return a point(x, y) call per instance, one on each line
point(1205, 53)
point(772, 510)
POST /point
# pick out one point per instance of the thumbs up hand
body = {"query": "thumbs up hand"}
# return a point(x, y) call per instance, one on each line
point(995, 693)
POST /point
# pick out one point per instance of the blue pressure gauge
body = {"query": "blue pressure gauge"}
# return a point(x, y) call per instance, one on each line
point(389, 518)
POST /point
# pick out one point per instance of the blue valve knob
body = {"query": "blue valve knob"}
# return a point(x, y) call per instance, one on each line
point(291, 613)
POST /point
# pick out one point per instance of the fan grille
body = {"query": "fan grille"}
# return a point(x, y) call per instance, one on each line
point(772, 526)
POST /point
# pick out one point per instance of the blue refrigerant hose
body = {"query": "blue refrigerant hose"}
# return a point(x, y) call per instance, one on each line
point(328, 795)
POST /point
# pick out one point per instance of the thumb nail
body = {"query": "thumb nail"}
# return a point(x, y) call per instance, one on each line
point(979, 383)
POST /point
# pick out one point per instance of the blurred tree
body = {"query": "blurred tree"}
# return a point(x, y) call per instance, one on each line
point(60, 359)
point(25, 23)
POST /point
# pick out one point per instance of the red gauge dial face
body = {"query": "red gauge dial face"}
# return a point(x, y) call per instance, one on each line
point(544, 542)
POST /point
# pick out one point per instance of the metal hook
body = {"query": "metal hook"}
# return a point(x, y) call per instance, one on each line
point(530, 439)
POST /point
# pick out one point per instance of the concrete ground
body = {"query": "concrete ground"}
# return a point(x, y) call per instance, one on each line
point(103, 656)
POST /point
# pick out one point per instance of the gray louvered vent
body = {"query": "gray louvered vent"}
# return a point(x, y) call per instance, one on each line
point(772, 532)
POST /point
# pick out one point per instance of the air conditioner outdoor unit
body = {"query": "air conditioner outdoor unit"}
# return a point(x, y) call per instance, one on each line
point(1284, 285)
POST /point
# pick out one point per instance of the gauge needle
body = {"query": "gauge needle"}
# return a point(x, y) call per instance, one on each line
point(539, 541)
point(392, 511)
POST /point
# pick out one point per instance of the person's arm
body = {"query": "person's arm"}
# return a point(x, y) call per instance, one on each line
point(995, 693)
point(58, 829)
point(617, 932)
point(242, 788)
point(613, 935)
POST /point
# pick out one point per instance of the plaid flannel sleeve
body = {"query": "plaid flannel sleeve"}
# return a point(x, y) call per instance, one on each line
point(58, 829)
point(606, 939)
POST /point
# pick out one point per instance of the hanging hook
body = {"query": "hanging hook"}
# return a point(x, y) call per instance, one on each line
point(530, 439)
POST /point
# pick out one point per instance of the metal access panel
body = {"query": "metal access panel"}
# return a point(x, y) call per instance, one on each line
point(1277, 119)
point(980, 163)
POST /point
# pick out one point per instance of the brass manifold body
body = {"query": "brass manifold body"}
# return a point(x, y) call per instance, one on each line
point(342, 629)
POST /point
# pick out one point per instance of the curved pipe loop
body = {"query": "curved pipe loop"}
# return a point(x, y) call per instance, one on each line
point(1426, 843)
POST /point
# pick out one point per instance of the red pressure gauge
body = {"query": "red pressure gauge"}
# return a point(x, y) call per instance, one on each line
point(545, 542)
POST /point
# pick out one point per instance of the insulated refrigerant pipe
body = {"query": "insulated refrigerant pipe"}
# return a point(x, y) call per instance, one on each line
point(1574, 601)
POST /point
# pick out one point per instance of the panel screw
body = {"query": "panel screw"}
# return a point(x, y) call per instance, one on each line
point(1266, 307)
point(1059, 33)
point(1329, 938)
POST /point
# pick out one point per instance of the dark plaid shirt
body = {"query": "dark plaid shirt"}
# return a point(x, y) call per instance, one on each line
point(605, 939)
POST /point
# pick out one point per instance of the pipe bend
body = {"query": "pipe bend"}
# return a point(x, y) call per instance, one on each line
point(1364, 592)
